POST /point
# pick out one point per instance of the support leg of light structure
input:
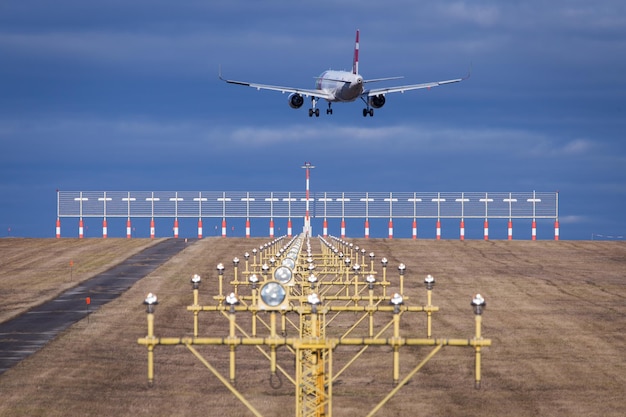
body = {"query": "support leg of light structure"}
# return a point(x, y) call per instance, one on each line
point(58, 228)
point(223, 380)
point(104, 228)
point(477, 366)
point(150, 338)
point(429, 314)
point(510, 230)
point(196, 311)
point(176, 228)
point(81, 228)
point(404, 381)
point(128, 229)
point(534, 230)
point(396, 349)
point(199, 228)
point(231, 320)
point(414, 229)
point(438, 229)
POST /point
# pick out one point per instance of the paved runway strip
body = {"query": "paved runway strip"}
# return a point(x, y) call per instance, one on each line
point(29, 332)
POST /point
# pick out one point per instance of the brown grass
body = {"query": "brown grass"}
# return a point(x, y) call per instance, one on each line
point(556, 316)
point(35, 270)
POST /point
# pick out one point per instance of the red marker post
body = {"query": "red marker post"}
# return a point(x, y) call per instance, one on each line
point(88, 303)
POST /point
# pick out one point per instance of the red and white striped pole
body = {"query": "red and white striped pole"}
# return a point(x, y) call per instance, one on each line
point(289, 228)
point(390, 229)
point(58, 228)
point(247, 227)
point(438, 229)
point(534, 230)
point(325, 228)
point(81, 228)
point(486, 229)
point(367, 229)
point(128, 229)
point(462, 232)
point(224, 227)
point(307, 219)
point(152, 230)
point(176, 228)
point(104, 228)
point(200, 228)
point(271, 228)
point(510, 230)
point(343, 228)
point(556, 229)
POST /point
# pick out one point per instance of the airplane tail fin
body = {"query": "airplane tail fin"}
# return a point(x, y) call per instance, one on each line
point(355, 60)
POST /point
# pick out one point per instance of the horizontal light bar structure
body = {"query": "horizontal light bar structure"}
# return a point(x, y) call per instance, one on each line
point(261, 204)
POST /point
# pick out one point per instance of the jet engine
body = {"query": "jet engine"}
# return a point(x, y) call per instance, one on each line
point(295, 100)
point(377, 101)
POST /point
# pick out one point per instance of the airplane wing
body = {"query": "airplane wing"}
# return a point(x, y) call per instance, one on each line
point(403, 88)
point(302, 91)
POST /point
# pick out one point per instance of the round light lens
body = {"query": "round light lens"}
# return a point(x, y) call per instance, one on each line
point(273, 294)
point(283, 274)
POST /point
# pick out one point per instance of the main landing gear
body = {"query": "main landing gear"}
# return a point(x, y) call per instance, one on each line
point(313, 110)
point(368, 110)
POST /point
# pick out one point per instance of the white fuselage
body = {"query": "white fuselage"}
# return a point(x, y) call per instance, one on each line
point(342, 85)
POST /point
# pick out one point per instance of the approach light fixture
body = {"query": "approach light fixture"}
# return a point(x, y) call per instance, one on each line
point(396, 301)
point(289, 263)
point(371, 279)
point(232, 301)
point(401, 268)
point(254, 280)
point(150, 301)
point(195, 281)
point(220, 268)
point(384, 262)
point(314, 300)
point(273, 296)
point(479, 304)
point(429, 281)
point(283, 274)
point(235, 261)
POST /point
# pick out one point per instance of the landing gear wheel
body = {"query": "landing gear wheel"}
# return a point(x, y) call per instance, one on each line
point(317, 112)
point(367, 112)
point(329, 110)
point(310, 112)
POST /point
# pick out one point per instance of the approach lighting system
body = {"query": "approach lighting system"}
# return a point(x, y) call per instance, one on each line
point(273, 296)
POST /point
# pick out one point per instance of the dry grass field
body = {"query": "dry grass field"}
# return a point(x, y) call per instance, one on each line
point(556, 315)
point(35, 270)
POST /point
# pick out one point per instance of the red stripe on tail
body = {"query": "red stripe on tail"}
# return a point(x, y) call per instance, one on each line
point(355, 60)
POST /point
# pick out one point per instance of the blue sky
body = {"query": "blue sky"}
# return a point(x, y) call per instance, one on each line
point(118, 95)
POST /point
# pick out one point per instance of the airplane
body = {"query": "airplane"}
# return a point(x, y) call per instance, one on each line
point(343, 86)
